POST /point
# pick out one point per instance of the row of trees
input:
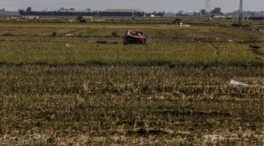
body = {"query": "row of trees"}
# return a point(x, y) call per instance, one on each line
point(215, 11)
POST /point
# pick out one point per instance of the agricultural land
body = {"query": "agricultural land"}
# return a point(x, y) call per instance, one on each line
point(59, 86)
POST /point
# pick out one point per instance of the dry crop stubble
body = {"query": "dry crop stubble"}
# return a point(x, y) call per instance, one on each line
point(173, 91)
point(118, 99)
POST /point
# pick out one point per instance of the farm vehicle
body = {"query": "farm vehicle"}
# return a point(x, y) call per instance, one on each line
point(135, 37)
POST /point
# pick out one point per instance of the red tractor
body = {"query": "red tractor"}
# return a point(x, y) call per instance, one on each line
point(135, 37)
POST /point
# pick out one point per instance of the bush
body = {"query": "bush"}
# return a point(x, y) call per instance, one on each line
point(114, 34)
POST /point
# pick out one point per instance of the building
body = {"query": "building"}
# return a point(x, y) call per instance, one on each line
point(73, 12)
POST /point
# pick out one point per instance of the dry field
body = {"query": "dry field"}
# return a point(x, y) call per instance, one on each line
point(59, 87)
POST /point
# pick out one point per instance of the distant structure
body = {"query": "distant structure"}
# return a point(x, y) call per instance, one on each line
point(3, 12)
point(240, 12)
point(208, 6)
point(73, 12)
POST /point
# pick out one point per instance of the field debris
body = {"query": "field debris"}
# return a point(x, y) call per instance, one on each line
point(150, 131)
point(68, 45)
point(244, 85)
point(68, 35)
point(106, 42)
point(186, 25)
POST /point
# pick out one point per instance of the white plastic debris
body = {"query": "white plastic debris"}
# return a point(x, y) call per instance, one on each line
point(230, 41)
point(241, 84)
point(237, 83)
point(68, 35)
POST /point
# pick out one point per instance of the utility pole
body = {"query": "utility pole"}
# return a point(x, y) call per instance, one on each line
point(208, 6)
point(240, 12)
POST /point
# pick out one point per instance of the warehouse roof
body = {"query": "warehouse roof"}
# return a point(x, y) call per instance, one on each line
point(122, 10)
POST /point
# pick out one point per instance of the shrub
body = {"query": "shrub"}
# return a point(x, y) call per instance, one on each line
point(114, 34)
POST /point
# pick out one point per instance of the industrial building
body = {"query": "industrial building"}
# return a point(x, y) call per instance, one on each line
point(72, 12)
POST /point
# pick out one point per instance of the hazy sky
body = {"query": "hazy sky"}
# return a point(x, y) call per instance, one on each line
point(148, 5)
